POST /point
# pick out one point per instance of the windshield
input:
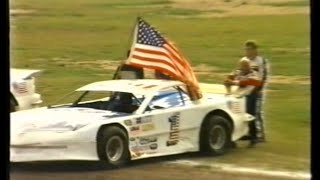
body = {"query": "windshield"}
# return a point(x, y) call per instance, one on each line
point(102, 100)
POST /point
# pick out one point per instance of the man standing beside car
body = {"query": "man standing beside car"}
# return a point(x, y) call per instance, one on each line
point(261, 66)
point(248, 81)
point(255, 98)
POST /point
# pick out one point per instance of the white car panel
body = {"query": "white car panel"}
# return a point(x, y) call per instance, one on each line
point(69, 133)
point(142, 86)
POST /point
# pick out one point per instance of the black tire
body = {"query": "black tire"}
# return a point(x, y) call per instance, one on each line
point(215, 136)
point(105, 144)
point(12, 105)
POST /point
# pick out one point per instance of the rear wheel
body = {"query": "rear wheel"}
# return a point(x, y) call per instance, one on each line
point(113, 146)
point(215, 135)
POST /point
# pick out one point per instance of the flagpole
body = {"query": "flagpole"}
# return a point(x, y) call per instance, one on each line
point(133, 34)
point(122, 62)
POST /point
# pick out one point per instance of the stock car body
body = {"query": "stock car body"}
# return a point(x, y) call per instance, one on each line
point(120, 120)
point(22, 89)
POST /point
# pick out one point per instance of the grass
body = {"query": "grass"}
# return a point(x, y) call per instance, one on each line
point(93, 30)
point(289, 3)
point(177, 12)
point(287, 115)
point(203, 167)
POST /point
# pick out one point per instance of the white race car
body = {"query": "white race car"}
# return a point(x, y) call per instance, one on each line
point(120, 120)
point(22, 89)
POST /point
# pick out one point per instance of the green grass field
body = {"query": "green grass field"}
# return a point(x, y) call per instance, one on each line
point(59, 33)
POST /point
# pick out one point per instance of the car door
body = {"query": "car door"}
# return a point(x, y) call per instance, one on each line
point(168, 126)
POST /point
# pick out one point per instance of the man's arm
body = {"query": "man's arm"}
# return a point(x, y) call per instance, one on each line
point(231, 78)
point(233, 75)
point(265, 71)
point(244, 91)
point(252, 80)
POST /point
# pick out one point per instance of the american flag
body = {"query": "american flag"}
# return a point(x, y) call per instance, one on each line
point(152, 51)
point(20, 87)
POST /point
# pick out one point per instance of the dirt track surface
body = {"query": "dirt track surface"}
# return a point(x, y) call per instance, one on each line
point(155, 169)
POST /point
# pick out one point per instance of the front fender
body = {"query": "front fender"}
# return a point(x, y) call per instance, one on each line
point(90, 131)
point(236, 109)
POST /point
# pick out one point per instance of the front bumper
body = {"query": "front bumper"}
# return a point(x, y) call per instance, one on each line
point(48, 152)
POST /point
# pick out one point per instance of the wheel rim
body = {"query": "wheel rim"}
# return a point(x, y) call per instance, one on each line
point(217, 137)
point(114, 148)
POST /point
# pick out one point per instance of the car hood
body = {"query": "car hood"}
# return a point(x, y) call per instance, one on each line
point(58, 118)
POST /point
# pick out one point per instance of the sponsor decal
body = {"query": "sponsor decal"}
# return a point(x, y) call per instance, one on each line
point(137, 151)
point(144, 141)
point(134, 128)
point(144, 148)
point(139, 148)
point(147, 140)
point(143, 120)
point(174, 121)
point(128, 122)
point(153, 146)
point(147, 127)
point(146, 145)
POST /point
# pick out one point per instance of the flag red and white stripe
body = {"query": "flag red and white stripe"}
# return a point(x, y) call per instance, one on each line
point(152, 51)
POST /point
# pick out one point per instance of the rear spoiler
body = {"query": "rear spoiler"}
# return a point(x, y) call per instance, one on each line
point(23, 73)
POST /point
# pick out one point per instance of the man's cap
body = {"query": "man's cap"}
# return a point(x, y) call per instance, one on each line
point(251, 44)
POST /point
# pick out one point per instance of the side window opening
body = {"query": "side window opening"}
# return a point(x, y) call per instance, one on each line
point(169, 98)
point(122, 102)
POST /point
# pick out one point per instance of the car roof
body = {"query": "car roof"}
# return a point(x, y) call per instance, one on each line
point(139, 86)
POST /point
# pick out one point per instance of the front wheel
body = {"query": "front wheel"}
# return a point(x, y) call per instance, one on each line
point(113, 146)
point(216, 135)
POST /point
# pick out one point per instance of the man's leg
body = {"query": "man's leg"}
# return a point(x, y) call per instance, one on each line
point(252, 131)
point(259, 119)
point(251, 109)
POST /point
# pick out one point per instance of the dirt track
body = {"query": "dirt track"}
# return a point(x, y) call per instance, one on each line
point(155, 169)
